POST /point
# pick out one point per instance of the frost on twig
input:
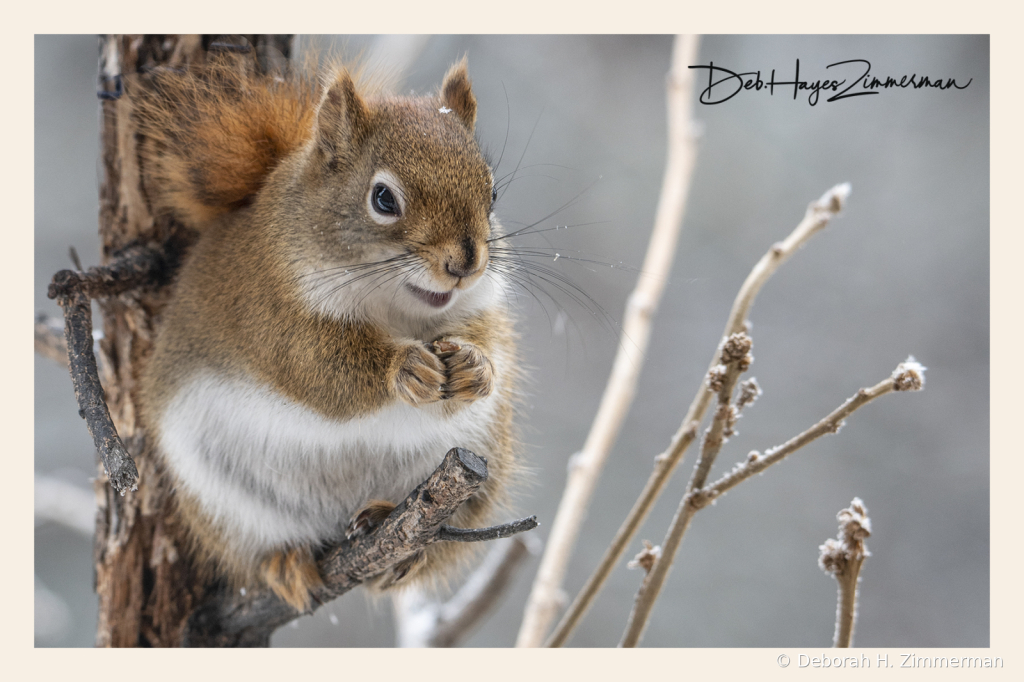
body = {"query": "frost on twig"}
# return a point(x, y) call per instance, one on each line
point(843, 558)
point(645, 558)
point(818, 215)
point(734, 359)
point(750, 391)
point(908, 374)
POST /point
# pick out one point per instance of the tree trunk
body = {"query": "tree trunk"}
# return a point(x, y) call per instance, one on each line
point(145, 580)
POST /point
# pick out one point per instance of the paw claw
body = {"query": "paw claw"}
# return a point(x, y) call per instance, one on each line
point(470, 375)
point(444, 348)
point(368, 519)
point(421, 377)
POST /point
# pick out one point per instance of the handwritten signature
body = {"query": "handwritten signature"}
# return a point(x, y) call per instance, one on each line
point(732, 83)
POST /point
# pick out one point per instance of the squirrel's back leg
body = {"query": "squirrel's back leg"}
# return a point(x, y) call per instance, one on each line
point(292, 574)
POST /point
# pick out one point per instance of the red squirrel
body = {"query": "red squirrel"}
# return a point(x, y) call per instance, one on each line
point(335, 328)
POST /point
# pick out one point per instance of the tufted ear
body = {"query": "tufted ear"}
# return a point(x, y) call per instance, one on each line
point(457, 94)
point(342, 119)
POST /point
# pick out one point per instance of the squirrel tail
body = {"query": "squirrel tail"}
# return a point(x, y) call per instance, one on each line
point(212, 134)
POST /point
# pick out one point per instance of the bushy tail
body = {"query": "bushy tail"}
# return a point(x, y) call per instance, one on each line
point(212, 134)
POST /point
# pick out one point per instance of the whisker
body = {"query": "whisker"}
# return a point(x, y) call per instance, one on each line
point(508, 125)
point(535, 252)
point(354, 266)
point(573, 291)
point(523, 155)
point(550, 215)
point(514, 277)
point(502, 186)
point(521, 233)
point(378, 272)
point(411, 271)
point(523, 280)
point(377, 285)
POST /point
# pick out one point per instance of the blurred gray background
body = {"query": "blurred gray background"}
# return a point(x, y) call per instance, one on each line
point(903, 271)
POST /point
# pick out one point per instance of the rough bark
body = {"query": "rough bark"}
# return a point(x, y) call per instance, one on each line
point(146, 585)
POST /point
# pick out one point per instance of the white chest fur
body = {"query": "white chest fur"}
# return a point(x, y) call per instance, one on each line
point(272, 472)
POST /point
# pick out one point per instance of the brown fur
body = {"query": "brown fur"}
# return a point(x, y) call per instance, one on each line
point(260, 165)
point(213, 133)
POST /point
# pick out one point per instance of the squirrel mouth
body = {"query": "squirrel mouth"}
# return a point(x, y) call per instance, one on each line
point(431, 298)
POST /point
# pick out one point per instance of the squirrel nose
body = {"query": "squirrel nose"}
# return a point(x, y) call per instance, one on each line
point(458, 270)
point(468, 265)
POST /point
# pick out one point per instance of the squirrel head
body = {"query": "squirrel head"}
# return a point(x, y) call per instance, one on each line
point(389, 205)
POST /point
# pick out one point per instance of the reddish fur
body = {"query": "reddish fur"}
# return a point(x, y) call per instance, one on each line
point(213, 134)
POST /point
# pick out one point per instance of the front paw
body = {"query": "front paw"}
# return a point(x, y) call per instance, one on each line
point(470, 373)
point(421, 375)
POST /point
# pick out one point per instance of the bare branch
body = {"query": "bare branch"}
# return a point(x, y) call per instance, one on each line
point(543, 603)
point(249, 619)
point(817, 216)
point(137, 266)
point(735, 359)
point(504, 530)
point(117, 462)
point(909, 375)
point(843, 558)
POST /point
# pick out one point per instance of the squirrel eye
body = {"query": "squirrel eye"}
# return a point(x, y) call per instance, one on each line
point(383, 200)
point(494, 194)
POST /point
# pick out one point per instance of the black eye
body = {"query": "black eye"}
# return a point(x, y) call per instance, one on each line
point(494, 194)
point(383, 200)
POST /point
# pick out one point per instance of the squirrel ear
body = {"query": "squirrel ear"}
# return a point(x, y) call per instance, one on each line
point(457, 95)
point(342, 118)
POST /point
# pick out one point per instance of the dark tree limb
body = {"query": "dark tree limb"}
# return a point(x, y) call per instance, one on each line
point(505, 530)
point(137, 267)
point(248, 620)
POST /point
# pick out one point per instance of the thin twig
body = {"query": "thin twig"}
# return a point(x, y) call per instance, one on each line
point(504, 530)
point(816, 218)
point(843, 558)
point(735, 359)
point(543, 603)
point(137, 266)
point(118, 464)
point(908, 376)
point(234, 619)
point(424, 622)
